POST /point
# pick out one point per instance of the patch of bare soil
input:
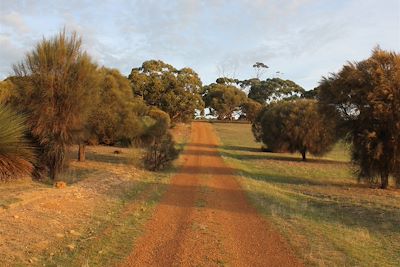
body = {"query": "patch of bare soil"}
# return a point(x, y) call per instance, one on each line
point(35, 218)
point(205, 218)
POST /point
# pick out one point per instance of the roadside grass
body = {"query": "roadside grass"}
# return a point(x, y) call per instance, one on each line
point(123, 195)
point(116, 226)
point(318, 206)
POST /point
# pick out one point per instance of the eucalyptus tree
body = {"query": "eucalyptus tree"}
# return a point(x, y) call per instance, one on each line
point(177, 92)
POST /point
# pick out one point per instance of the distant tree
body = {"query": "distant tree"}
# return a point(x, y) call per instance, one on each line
point(365, 96)
point(272, 90)
point(223, 99)
point(16, 153)
point(55, 87)
point(251, 108)
point(176, 92)
point(260, 68)
point(311, 94)
point(297, 126)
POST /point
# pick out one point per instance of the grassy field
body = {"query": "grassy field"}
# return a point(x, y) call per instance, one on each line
point(327, 217)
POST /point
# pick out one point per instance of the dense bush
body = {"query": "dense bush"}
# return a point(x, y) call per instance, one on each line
point(160, 147)
point(160, 153)
point(364, 98)
point(55, 86)
point(296, 126)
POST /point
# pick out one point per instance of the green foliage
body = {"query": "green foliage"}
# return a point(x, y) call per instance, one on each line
point(272, 89)
point(117, 116)
point(176, 92)
point(55, 86)
point(251, 109)
point(160, 153)
point(311, 94)
point(160, 147)
point(223, 99)
point(296, 126)
point(16, 154)
point(365, 98)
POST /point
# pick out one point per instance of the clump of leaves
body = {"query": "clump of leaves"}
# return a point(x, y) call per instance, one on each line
point(16, 153)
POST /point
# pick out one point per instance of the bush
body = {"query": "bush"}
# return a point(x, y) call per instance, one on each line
point(16, 154)
point(160, 153)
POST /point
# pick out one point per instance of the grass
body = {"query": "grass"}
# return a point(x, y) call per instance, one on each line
point(119, 218)
point(318, 206)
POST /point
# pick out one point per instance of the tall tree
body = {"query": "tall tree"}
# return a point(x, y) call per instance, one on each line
point(296, 126)
point(55, 84)
point(365, 96)
point(272, 89)
point(176, 92)
point(223, 99)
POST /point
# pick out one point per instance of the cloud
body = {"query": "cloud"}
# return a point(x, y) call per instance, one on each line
point(14, 21)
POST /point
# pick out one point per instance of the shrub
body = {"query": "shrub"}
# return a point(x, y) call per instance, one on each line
point(16, 154)
point(160, 153)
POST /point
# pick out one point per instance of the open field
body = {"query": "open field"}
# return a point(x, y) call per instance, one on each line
point(327, 217)
point(91, 222)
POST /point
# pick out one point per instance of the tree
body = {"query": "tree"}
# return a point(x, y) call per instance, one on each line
point(16, 153)
point(251, 109)
point(176, 92)
point(297, 126)
point(223, 99)
point(365, 98)
point(55, 86)
point(272, 89)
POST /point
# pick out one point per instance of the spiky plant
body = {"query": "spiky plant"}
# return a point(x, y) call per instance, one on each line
point(16, 154)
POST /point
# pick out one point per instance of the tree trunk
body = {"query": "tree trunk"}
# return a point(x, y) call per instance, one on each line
point(303, 154)
point(81, 152)
point(384, 180)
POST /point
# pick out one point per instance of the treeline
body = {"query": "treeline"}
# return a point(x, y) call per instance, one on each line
point(58, 97)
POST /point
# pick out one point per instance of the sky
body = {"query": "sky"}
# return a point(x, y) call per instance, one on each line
point(300, 40)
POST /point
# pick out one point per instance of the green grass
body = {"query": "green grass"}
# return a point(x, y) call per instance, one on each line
point(327, 217)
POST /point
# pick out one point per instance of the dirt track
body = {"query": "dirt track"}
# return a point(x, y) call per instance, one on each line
point(205, 219)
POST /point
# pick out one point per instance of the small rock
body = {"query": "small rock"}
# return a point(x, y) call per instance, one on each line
point(16, 216)
point(71, 247)
point(59, 235)
point(60, 185)
point(73, 232)
point(100, 252)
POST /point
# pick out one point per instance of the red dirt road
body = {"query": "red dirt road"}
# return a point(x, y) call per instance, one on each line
point(205, 219)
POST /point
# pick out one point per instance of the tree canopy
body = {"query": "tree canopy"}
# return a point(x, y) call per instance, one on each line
point(272, 89)
point(176, 92)
point(365, 97)
point(223, 99)
point(296, 126)
point(117, 114)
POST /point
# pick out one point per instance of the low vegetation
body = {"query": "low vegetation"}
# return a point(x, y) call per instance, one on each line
point(328, 218)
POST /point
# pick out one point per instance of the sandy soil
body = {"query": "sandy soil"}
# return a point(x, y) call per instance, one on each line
point(205, 218)
point(35, 219)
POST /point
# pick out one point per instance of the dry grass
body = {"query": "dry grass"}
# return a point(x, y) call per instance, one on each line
point(328, 218)
point(93, 221)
